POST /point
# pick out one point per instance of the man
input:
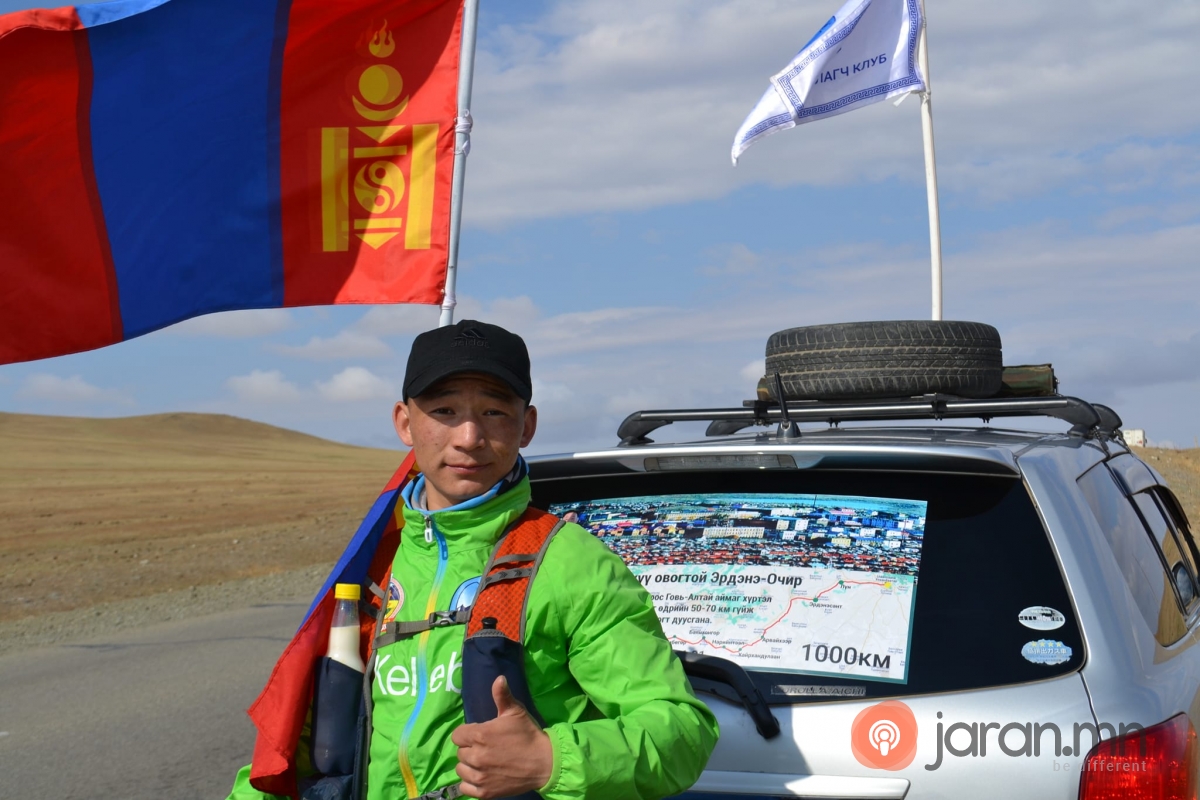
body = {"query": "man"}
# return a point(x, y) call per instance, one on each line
point(621, 719)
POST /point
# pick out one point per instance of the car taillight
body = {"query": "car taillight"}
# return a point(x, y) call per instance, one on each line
point(1158, 763)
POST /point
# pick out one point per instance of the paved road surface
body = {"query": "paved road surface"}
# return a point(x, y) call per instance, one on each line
point(155, 713)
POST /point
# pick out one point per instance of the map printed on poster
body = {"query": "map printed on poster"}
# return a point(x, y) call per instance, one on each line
point(798, 583)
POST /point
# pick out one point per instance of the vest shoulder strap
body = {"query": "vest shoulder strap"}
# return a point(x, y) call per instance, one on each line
point(503, 593)
point(506, 578)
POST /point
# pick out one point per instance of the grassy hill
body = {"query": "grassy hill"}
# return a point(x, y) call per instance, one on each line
point(101, 509)
point(93, 510)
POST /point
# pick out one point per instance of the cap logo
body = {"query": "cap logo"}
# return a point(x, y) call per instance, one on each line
point(471, 337)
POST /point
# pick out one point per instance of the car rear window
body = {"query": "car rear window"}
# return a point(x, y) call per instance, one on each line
point(839, 585)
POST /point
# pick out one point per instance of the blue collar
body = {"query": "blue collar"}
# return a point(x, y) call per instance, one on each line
point(415, 491)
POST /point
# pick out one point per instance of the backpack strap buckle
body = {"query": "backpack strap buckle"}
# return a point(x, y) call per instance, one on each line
point(392, 632)
point(444, 619)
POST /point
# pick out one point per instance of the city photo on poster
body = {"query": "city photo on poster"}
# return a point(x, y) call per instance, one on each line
point(805, 583)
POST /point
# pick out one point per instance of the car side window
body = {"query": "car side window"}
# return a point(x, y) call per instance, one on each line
point(1135, 552)
point(1179, 522)
point(1179, 562)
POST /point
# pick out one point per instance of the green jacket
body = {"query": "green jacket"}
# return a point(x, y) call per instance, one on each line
point(620, 713)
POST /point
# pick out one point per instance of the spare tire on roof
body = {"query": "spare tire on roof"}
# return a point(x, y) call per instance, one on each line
point(885, 359)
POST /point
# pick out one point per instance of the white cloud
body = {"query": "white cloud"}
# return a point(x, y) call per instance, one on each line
point(347, 344)
point(405, 320)
point(356, 384)
point(754, 370)
point(514, 313)
point(44, 386)
point(632, 106)
point(1099, 367)
point(1115, 314)
point(734, 259)
point(1165, 214)
point(551, 392)
point(398, 320)
point(264, 386)
point(236, 324)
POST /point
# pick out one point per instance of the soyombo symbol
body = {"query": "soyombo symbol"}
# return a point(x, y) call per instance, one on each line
point(386, 153)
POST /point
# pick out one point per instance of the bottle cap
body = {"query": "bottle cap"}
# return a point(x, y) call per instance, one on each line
point(347, 591)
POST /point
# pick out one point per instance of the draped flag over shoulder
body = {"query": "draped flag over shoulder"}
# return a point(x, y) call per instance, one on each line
point(280, 710)
point(161, 159)
point(865, 53)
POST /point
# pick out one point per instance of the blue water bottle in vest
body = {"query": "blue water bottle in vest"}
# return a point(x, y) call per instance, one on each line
point(338, 687)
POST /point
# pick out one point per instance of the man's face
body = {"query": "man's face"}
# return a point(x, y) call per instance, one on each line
point(466, 432)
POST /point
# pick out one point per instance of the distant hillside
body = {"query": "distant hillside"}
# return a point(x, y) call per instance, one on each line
point(93, 510)
point(1181, 469)
point(44, 441)
point(99, 509)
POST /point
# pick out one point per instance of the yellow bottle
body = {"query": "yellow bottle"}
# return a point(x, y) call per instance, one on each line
point(344, 631)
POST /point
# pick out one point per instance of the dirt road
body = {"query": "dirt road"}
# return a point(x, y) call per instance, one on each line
point(145, 714)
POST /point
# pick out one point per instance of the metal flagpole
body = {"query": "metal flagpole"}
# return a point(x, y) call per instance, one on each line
point(462, 146)
point(931, 190)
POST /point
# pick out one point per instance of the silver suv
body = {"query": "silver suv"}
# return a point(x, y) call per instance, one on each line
point(884, 611)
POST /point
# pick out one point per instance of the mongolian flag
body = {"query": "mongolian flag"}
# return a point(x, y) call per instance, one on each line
point(161, 159)
point(280, 711)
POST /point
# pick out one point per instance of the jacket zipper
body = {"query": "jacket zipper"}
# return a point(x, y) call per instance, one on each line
point(406, 771)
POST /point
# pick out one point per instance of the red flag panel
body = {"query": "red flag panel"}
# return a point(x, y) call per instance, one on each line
point(367, 146)
point(65, 299)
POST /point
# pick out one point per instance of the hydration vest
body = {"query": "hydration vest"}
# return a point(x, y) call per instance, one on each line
point(494, 639)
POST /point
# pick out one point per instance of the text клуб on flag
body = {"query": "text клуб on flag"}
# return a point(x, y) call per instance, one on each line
point(865, 53)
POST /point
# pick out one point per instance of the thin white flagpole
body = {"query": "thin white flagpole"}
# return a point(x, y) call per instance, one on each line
point(462, 146)
point(931, 189)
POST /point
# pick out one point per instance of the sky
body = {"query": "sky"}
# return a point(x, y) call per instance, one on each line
point(604, 222)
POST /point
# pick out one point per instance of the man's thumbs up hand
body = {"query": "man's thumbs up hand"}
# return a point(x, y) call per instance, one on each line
point(504, 756)
point(506, 704)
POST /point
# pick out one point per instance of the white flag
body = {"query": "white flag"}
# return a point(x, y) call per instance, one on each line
point(867, 52)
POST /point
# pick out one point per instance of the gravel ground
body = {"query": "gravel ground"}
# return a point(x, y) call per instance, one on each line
point(194, 601)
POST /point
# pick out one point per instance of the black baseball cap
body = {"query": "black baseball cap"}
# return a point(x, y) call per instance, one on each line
point(468, 346)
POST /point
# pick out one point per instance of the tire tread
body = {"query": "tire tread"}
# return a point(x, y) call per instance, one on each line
point(886, 359)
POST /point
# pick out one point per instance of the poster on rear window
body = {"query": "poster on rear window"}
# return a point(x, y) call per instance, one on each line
point(798, 583)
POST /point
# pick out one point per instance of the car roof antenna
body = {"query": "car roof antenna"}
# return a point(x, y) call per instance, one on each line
point(787, 428)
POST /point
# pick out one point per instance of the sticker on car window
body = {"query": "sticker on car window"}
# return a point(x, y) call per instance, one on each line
point(1041, 618)
point(800, 583)
point(817, 690)
point(1046, 651)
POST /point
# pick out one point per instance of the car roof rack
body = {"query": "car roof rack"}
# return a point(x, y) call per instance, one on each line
point(1087, 419)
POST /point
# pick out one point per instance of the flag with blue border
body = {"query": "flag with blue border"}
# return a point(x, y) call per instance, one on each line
point(865, 53)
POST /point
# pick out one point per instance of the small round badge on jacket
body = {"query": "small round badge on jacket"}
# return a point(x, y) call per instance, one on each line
point(395, 600)
point(464, 595)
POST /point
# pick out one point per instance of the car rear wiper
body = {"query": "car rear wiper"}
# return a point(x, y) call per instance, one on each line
point(704, 669)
